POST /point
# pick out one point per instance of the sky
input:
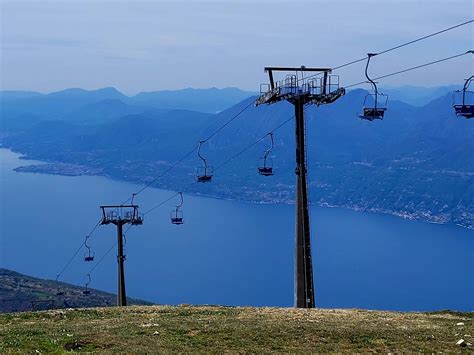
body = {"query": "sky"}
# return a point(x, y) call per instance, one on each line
point(149, 45)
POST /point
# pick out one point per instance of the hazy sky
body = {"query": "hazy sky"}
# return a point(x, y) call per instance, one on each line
point(153, 45)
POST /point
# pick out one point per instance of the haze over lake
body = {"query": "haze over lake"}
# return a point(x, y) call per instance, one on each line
point(231, 252)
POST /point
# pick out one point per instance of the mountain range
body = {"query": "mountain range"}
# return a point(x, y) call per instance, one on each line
point(416, 163)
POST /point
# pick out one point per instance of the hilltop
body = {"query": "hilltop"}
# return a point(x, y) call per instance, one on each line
point(19, 292)
point(228, 329)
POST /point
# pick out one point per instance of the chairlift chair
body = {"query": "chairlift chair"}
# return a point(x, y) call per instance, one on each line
point(265, 166)
point(464, 108)
point(374, 107)
point(205, 172)
point(59, 292)
point(177, 217)
point(375, 104)
point(176, 214)
point(89, 255)
point(87, 291)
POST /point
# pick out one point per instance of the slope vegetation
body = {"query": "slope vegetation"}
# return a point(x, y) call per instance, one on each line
point(23, 293)
point(239, 330)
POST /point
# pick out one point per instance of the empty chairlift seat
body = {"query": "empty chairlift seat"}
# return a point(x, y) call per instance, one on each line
point(375, 103)
point(265, 166)
point(204, 173)
point(374, 107)
point(177, 214)
point(89, 255)
point(463, 100)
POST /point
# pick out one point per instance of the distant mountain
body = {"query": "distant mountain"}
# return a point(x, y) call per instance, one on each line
point(55, 105)
point(418, 95)
point(211, 100)
point(25, 293)
point(150, 137)
point(88, 95)
point(19, 110)
point(416, 163)
point(20, 122)
point(105, 111)
point(9, 95)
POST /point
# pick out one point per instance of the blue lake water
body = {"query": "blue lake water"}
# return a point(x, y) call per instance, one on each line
point(229, 252)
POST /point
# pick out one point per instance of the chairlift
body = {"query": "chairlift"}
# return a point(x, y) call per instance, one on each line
point(87, 291)
point(204, 173)
point(463, 100)
point(59, 292)
point(375, 104)
point(265, 166)
point(89, 256)
point(177, 214)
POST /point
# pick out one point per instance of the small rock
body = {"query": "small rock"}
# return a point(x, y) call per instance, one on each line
point(461, 342)
point(460, 323)
point(156, 333)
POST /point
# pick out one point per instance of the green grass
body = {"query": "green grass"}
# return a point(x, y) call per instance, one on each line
point(220, 329)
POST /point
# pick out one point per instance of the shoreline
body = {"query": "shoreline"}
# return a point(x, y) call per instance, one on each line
point(71, 170)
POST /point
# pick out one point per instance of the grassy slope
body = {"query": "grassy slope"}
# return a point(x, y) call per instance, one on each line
point(17, 291)
point(218, 329)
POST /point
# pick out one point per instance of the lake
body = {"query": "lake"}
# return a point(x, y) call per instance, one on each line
point(228, 252)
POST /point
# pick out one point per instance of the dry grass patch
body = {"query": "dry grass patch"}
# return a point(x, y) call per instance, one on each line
point(233, 329)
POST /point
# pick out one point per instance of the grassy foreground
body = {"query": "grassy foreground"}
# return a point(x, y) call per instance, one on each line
point(218, 329)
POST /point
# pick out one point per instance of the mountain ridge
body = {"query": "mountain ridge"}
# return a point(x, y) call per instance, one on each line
point(20, 292)
point(416, 163)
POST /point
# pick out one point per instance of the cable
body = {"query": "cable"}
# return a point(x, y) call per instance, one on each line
point(380, 77)
point(283, 123)
point(253, 144)
point(260, 139)
point(77, 252)
point(425, 37)
point(162, 203)
point(413, 68)
point(165, 172)
point(397, 47)
point(106, 253)
point(222, 164)
point(69, 262)
point(229, 121)
point(405, 44)
point(176, 163)
point(248, 147)
point(162, 174)
point(101, 259)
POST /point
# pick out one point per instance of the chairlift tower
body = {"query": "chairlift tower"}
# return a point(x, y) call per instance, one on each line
point(119, 216)
point(299, 91)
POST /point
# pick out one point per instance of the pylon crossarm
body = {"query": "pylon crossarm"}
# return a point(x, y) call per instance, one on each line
point(121, 214)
